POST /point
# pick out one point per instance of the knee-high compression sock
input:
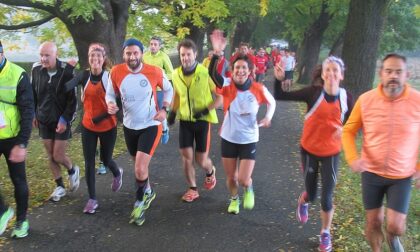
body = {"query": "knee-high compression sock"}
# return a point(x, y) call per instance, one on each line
point(142, 187)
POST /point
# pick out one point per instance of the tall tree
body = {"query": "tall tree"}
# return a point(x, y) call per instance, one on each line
point(102, 21)
point(181, 18)
point(311, 45)
point(361, 40)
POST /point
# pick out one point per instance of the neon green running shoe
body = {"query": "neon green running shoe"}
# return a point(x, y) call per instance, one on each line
point(21, 229)
point(5, 218)
point(137, 215)
point(148, 198)
point(234, 205)
point(249, 198)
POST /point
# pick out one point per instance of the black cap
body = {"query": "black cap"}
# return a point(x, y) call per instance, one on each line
point(1, 47)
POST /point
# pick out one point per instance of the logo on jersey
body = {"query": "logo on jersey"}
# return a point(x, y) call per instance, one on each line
point(143, 83)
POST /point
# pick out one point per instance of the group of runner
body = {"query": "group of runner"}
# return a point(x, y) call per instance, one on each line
point(148, 98)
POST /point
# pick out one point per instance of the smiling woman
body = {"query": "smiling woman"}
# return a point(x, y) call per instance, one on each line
point(242, 98)
point(96, 123)
point(329, 106)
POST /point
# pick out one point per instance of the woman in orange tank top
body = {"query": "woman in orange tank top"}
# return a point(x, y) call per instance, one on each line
point(328, 108)
point(96, 123)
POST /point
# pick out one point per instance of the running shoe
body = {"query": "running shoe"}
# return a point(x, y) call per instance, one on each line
point(5, 218)
point(101, 169)
point(74, 179)
point(91, 206)
point(148, 198)
point(234, 205)
point(21, 229)
point(58, 193)
point(249, 198)
point(302, 210)
point(395, 245)
point(210, 182)
point(190, 195)
point(165, 137)
point(325, 244)
point(137, 215)
point(117, 181)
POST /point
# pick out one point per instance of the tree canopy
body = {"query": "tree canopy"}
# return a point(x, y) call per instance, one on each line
point(308, 25)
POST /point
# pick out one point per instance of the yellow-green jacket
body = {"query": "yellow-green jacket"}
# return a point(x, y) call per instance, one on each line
point(10, 77)
point(195, 97)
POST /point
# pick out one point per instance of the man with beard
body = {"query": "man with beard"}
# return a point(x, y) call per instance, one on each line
point(136, 83)
point(389, 117)
point(195, 107)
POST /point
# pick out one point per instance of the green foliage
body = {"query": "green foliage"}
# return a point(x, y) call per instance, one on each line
point(159, 17)
point(416, 10)
point(402, 28)
point(83, 9)
point(65, 45)
point(297, 16)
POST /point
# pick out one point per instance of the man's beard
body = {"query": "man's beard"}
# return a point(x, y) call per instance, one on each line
point(393, 89)
point(133, 64)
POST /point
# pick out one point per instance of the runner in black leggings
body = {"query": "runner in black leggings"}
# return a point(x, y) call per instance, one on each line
point(16, 113)
point(96, 122)
point(328, 108)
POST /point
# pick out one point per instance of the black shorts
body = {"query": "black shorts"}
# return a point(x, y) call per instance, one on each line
point(143, 140)
point(288, 75)
point(198, 131)
point(48, 132)
point(241, 151)
point(397, 192)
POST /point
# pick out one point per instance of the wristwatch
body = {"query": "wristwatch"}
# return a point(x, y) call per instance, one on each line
point(166, 109)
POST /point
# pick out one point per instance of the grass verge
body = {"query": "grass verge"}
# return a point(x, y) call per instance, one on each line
point(38, 174)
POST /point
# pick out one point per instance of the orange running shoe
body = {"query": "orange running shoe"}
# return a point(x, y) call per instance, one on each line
point(190, 195)
point(210, 182)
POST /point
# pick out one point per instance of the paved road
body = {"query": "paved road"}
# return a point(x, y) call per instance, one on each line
point(172, 225)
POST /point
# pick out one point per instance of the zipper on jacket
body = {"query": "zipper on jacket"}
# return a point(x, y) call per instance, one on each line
point(188, 96)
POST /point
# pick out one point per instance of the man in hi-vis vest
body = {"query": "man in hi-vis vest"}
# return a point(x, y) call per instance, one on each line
point(16, 113)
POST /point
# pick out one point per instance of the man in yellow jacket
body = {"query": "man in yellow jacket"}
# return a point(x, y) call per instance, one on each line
point(16, 113)
point(389, 117)
point(195, 108)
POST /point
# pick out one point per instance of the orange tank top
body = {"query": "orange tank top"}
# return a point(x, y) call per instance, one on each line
point(94, 105)
point(319, 129)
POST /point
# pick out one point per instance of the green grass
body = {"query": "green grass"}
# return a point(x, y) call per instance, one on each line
point(39, 177)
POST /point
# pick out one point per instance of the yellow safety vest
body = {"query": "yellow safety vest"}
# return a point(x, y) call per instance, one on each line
point(195, 97)
point(10, 77)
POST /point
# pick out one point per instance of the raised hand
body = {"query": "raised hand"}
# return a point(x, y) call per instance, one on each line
point(218, 41)
point(279, 72)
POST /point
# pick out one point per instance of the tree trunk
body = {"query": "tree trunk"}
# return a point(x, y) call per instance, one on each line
point(197, 35)
point(361, 40)
point(110, 32)
point(337, 47)
point(311, 45)
point(243, 31)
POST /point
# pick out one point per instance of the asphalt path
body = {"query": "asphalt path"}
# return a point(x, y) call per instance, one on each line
point(172, 225)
